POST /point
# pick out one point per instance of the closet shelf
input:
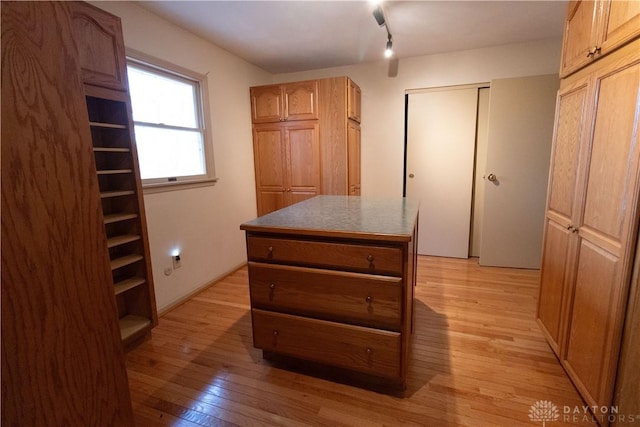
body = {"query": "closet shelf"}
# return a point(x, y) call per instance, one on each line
point(107, 125)
point(119, 193)
point(114, 171)
point(117, 217)
point(126, 284)
point(125, 260)
point(121, 240)
point(130, 325)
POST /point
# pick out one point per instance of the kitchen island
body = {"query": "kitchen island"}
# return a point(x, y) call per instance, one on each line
point(331, 281)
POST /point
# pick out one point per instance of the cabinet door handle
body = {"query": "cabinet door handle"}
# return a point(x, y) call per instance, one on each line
point(275, 332)
point(370, 258)
point(272, 286)
point(368, 299)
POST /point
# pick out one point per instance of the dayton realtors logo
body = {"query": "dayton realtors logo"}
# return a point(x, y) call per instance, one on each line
point(545, 411)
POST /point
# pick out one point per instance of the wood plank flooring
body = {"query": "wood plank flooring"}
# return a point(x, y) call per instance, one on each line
point(478, 359)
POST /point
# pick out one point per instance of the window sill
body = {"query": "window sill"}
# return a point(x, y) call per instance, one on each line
point(162, 187)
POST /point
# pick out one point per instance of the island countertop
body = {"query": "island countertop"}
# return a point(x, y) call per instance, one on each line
point(343, 216)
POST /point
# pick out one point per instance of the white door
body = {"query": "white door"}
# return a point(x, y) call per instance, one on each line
point(521, 114)
point(441, 129)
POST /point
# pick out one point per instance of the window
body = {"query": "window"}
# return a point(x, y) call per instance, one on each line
point(169, 119)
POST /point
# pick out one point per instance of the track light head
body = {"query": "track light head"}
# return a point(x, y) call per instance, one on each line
point(388, 52)
point(379, 15)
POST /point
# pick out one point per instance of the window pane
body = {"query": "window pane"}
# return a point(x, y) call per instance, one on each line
point(166, 153)
point(162, 100)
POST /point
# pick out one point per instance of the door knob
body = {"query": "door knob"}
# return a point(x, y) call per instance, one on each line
point(492, 177)
point(411, 175)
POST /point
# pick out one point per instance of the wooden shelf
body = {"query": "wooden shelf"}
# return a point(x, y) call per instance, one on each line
point(107, 125)
point(125, 260)
point(125, 285)
point(131, 325)
point(121, 240)
point(117, 217)
point(111, 150)
point(114, 171)
point(119, 193)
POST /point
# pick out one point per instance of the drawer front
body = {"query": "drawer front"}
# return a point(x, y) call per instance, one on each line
point(364, 299)
point(360, 258)
point(371, 351)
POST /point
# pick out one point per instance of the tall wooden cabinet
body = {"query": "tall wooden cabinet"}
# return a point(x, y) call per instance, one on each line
point(306, 141)
point(595, 28)
point(592, 214)
point(98, 36)
point(62, 357)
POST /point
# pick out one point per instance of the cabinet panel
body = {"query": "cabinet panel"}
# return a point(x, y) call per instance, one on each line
point(303, 146)
point(301, 100)
point(589, 354)
point(353, 158)
point(621, 21)
point(266, 104)
point(614, 160)
point(268, 146)
point(578, 35)
point(566, 147)
point(98, 36)
point(361, 299)
point(553, 282)
point(353, 101)
point(372, 351)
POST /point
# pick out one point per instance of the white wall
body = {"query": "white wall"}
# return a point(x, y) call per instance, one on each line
point(383, 96)
point(205, 221)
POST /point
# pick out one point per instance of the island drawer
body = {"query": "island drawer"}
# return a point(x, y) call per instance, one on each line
point(371, 351)
point(385, 260)
point(364, 299)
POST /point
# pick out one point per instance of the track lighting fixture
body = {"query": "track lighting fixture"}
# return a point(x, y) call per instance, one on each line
point(378, 14)
point(388, 52)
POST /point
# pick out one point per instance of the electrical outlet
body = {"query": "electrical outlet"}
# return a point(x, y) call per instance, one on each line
point(177, 262)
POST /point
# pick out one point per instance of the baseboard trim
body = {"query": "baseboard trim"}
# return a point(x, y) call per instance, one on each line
point(199, 289)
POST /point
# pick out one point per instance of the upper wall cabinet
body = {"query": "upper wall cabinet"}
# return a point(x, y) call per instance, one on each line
point(353, 101)
point(595, 28)
point(285, 102)
point(102, 60)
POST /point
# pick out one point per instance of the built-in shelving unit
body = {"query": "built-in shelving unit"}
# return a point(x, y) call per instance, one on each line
point(113, 150)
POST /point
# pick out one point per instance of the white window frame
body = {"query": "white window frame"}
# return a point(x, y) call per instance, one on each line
point(167, 69)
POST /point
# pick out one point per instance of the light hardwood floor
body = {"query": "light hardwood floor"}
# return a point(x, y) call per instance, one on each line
point(478, 359)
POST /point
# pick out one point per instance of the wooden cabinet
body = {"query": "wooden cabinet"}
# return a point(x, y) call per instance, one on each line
point(62, 359)
point(287, 160)
point(285, 102)
point(324, 289)
point(353, 158)
point(354, 96)
point(304, 141)
point(100, 46)
point(595, 28)
point(592, 220)
point(103, 69)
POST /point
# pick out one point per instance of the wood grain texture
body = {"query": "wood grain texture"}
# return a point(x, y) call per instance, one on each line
point(101, 53)
point(333, 136)
point(478, 359)
point(300, 100)
point(62, 360)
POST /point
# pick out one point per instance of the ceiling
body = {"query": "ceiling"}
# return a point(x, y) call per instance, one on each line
point(289, 36)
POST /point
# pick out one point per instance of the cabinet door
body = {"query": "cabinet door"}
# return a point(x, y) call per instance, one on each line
point(621, 23)
point(562, 211)
point(269, 152)
point(301, 100)
point(579, 37)
point(608, 231)
point(98, 36)
point(266, 104)
point(353, 101)
point(353, 157)
point(303, 153)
